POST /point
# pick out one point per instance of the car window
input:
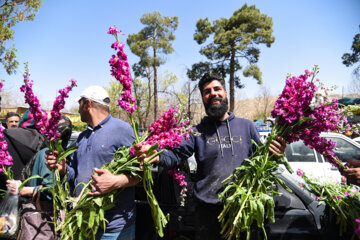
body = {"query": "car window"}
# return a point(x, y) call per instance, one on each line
point(298, 152)
point(345, 150)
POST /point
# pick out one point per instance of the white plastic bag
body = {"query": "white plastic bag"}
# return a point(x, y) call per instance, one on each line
point(9, 219)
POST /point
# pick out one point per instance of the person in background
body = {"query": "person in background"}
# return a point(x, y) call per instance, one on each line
point(37, 208)
point(97, 146)
point(223, 142)
point(38, 166)
point(12, 120)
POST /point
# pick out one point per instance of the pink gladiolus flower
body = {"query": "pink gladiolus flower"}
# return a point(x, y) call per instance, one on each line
point(300, 172)
point(307, 111)
point(120, 71)
point(180, 179)
point(113, 30)
point(46, 127)
point(5, 158)
point(168, 130)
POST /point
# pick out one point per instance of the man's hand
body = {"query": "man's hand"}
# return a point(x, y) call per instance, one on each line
point(13, 186)
point(51, 162)
point(141, 152)
point(104, 182)
point(352, 172)
point(277, 146)
point(353, 163)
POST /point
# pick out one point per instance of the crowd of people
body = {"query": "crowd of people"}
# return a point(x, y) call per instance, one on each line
point(222, 145)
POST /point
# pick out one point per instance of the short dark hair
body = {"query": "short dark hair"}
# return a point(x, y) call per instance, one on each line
point(209, 77)
point(12, 114)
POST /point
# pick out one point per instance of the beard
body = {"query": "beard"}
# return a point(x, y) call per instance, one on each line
point(216, 111)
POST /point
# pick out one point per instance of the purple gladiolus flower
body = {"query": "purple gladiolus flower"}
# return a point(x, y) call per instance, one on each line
point(5, 158)
point(307, 110)
point(120, 71)
point(46, 127)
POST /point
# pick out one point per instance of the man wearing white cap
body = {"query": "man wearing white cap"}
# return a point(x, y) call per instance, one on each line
point(97, 145)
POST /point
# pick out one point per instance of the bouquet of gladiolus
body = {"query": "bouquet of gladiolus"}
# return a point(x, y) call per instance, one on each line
point(343, 200)
point(48, 128)
point(302, 111)
point(87, 215)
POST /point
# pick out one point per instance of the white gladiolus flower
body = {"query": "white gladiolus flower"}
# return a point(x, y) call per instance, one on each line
point(318, 99)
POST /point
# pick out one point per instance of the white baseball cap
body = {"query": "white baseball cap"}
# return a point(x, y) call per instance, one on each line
point(97, 94)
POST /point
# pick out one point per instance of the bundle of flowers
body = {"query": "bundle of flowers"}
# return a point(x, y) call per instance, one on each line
point(6, 161)
point(343, 200)
point(87, 215)
point(302, 111)
point(48, 127)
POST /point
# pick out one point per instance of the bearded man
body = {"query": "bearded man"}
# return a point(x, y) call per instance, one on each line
point(221, 145)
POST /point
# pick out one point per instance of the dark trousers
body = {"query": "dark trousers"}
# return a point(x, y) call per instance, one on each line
point(207, 224)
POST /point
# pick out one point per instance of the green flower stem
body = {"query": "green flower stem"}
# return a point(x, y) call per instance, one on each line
point(53, 197)
point(134, 127)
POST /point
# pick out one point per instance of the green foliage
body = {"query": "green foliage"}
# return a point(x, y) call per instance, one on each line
point(249, 191)
point(350, 59)
point(253, 71)
point(79, 126)
point(234, 38)
point(198, 69)
point(343, 200)
point(60, 189)
point(114, 91)
point(153, 41)
point(13, 12)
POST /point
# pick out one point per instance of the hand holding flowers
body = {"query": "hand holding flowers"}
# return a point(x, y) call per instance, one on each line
point(352, 172)
point(48, 127)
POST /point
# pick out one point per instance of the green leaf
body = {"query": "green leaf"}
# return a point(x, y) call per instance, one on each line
point(58, 146)
point(27, 180)
point(270, 210)
point(91, 218)
point(79, 218)
point(68, 152)
point(152, 148)
point(260, 213)
point(98, 201)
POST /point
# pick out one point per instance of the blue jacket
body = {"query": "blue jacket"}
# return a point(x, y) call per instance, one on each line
point(219, 149)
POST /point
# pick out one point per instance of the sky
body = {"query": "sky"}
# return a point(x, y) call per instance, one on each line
point(68, 39)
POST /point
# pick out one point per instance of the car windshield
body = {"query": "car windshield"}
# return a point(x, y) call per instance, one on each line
point(298, 152)
point(344, 149)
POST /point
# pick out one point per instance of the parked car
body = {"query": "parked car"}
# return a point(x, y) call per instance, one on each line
point(357, 139)
point(314, 164)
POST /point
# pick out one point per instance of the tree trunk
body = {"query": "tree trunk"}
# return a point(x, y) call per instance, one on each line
point(189, 102)
point(155, 88)
point(146, 120)
point(232, 80)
